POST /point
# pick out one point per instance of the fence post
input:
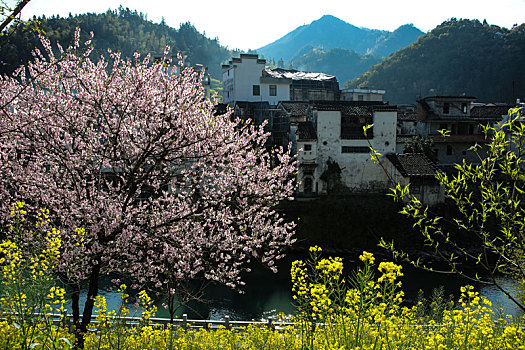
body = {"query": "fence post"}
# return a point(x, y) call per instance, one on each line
point(184, 321)
point(227, 322)
point(65, 319)
point(314, 321)
point(270, 325)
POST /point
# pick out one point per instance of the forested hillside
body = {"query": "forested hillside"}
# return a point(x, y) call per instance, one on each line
point(458, 56)
point(123, 30)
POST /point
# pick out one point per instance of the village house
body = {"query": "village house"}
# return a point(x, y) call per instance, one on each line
point(418, 171)
point(324, 127)
point(334, 152)
point(406, 125)
point(248, 79)
point(462, 119)
point(362, 95)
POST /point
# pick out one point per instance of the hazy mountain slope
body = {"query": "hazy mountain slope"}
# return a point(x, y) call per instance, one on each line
point(456, 57)
point(344, 64)
point(329, 32)
point(121, 30)
point(399, 38)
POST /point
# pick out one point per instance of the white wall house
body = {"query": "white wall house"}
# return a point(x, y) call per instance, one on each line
point(242, 80)
point(248, 79)
point(339, 138)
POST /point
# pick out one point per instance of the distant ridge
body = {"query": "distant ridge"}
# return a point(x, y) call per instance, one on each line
point(330, 32)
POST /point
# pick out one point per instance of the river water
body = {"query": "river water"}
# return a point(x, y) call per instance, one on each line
point(268, 294)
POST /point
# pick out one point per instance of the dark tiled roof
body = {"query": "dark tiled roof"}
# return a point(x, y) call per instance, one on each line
point(413, 165)
point(407, 113)
point(306, 131)
point(296, 109)
point(346, 107)
point(490, 113)
point(293, 74)
point(385, 108)
point(357, 110)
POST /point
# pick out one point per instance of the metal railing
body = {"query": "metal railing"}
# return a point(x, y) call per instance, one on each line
point(184, 322)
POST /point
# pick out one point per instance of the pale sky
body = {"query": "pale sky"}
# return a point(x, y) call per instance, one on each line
point(246, 24)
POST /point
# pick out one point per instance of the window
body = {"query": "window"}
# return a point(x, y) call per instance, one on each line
point(273, 90)
point(446, 108)
point(256, 90)
point(308, 185)
point(355, 149)
point(352, 127)
point(360, 97)
point(308, 147)
point(449, 150)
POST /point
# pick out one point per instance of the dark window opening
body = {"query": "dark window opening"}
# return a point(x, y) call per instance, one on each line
point(355, 149)
point(256, 90)
point(463, 129)
point(446, 108)
point(273, 90)
point(308, 185)
point(308, 147)
point(352, 127)
point(449, 150)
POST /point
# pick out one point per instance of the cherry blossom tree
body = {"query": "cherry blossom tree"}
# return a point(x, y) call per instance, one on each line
point(141, 174)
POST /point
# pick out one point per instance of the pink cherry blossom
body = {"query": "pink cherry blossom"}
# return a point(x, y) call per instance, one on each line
point(166, 190)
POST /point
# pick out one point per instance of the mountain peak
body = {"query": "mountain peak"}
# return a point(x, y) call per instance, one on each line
point(329, 18)
point(330, 32)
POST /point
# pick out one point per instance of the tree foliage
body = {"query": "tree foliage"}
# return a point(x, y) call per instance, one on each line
point(489, 229)
point(458, 56)
point(142, 176)
point(121, 30)
point(10, 19)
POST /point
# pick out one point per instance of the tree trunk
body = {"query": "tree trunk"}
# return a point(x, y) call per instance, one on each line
point(88, 306)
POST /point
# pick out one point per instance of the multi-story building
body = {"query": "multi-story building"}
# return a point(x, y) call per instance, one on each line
point(334, 151)
point(248, 79)
point(462, 119)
